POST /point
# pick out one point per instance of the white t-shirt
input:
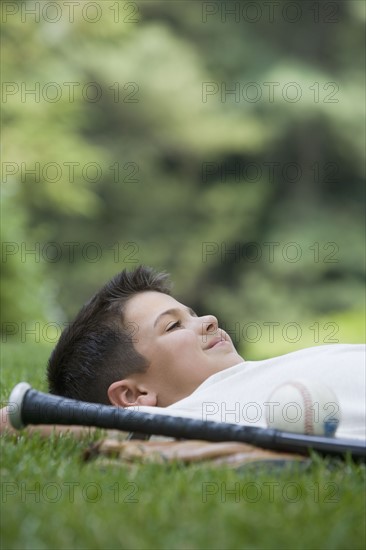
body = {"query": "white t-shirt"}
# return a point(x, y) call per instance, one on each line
point(238, 394)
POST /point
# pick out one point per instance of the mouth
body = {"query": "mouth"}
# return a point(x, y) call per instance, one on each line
point(216, 342)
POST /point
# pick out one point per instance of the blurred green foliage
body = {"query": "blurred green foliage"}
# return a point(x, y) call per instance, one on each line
point(144, 158)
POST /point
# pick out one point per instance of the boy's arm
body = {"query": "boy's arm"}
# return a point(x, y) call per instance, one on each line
point(6, 427)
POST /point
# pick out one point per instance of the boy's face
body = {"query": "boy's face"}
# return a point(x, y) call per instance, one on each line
point(183, 350)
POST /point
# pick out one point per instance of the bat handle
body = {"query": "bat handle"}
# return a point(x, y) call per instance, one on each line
point(15, 404)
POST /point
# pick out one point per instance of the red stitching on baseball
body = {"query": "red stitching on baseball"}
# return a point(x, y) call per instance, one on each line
point(305, 394)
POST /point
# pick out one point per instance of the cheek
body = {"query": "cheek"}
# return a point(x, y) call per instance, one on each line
point(184, 339)
point(178, 344)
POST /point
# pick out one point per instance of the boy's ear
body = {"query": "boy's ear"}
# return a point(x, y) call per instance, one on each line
point(129, 393)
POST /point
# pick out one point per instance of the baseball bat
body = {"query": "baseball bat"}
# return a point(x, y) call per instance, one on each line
point(29, 406)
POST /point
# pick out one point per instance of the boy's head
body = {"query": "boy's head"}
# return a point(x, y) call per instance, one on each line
point(134, 344)
point(96, 349)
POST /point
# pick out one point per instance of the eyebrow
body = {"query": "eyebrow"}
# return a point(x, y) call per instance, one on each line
point(174, 311)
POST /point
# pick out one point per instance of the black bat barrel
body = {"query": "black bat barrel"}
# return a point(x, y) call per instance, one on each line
point(28, 406)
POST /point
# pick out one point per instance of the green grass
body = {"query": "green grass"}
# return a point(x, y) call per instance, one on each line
point(51, 499)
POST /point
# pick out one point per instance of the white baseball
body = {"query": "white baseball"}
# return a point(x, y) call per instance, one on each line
point(304, 407)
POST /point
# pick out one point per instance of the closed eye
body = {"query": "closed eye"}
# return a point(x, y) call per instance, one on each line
point(177, 324)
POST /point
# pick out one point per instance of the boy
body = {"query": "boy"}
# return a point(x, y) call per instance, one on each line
point(134, 345)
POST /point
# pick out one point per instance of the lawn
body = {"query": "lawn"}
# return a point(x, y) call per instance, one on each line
point(51, 499)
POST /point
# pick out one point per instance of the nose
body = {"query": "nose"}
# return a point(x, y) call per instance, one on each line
point(208, 324)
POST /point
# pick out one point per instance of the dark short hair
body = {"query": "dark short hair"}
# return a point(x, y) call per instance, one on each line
point(97, 349)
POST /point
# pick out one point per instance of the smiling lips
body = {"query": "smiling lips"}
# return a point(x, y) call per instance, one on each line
point(216, 341)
